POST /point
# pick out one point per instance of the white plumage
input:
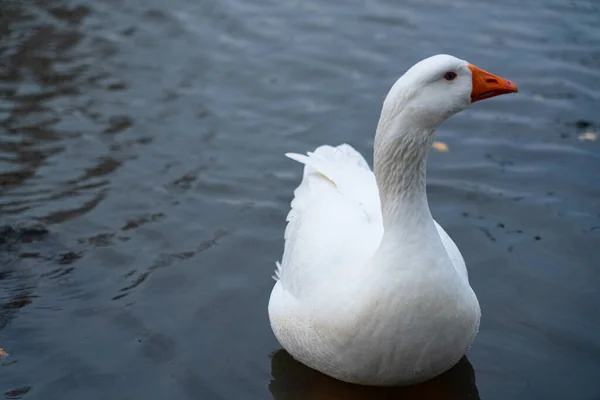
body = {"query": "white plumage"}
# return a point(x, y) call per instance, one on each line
point(370, 288)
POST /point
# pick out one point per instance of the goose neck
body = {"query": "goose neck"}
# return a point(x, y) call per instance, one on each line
point(400, 160)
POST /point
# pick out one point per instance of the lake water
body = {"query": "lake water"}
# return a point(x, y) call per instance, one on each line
point(143, 188)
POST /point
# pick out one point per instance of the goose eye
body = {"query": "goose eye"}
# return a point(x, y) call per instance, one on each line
point(450, 76)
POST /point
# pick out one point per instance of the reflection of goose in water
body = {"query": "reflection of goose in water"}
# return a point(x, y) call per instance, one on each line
point(294, 381)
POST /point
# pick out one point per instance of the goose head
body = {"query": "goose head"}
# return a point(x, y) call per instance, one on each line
point(438, 87)
point(430, 92)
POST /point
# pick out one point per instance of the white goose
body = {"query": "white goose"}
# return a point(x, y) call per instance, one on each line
point(371, 290)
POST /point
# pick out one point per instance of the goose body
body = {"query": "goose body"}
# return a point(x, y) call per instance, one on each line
point(371, 289)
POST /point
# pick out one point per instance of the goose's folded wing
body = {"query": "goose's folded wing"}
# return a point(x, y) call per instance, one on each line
point(335, 218)
point(453, 252)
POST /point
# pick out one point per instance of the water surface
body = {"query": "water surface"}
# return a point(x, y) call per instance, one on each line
point(144, 189)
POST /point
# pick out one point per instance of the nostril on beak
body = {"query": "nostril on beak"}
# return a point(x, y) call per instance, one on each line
point(492, 80)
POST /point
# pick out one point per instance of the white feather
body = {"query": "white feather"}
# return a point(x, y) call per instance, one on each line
point(370, 289)
point(335, 217)
point(338, 199)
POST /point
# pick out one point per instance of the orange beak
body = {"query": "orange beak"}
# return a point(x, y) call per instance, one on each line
point(486, 85)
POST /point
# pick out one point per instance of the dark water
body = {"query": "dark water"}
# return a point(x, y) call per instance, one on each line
point(144, 188)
